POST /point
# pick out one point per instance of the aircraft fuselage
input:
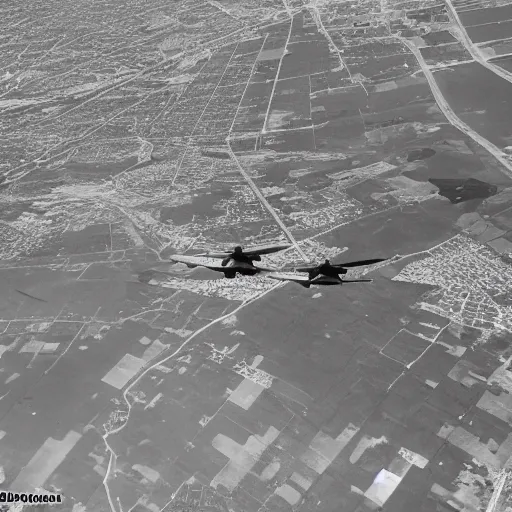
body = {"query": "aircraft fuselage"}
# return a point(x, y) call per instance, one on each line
point(327, 280)
point(240, 267)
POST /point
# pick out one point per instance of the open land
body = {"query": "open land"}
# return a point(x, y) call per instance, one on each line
point(361, 129)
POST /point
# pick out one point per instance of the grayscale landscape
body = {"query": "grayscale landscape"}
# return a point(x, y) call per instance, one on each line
point(134, 131)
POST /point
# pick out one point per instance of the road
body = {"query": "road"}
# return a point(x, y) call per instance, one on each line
point(494, 150)
point(474, 51)
point(266, 204)
point(450, 114)
point(136, 380)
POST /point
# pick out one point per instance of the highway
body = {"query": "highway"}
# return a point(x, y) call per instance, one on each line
point(450, 114)
point(474, 51)
point(489, 146)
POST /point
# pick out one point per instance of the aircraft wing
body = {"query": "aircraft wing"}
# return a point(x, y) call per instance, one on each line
point(216, 255)
point(252, 251)
point(359, 263)
point(266, 249)
point(264, 269)
point(305, 269)
point(213, 263)
point(288, 276)
point(197, 261)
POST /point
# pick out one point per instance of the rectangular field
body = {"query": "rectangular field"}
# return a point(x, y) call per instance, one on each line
point(491, 32)
point(482, 16)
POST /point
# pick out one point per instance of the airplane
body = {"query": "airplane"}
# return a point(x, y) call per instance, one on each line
point(325, 273)
point(233, 262)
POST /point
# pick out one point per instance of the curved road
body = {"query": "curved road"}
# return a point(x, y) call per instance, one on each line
point(489, 146)
point(474, 51)
point(450, 114)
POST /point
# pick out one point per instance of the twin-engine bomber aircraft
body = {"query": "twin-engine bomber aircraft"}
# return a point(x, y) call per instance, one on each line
point(325, 274)
point(233, 262)
point(242, 262)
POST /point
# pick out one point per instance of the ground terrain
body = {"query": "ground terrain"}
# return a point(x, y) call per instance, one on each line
point(133, 130)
